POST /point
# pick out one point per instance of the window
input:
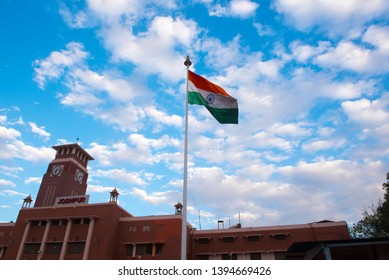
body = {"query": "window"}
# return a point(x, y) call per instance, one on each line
point(55, 222)
point(32, 248)
point(158, 249)
point(130, 249)
point(146, 228)
point(2, 252)
point(228, 239)
point(53, 248)
point(253, 238)
point(279, 255)
point(144, 249)
point(230, 256)
point(203, 240)
point(279, 236)
point(255, 256)
point(132, 228)
point(76, 247)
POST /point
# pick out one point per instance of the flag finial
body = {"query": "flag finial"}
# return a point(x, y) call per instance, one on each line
point(187, 62)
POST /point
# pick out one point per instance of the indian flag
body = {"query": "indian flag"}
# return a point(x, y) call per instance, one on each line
point(219, 103)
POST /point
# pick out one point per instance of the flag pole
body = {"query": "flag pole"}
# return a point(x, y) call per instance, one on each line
point(187, 63)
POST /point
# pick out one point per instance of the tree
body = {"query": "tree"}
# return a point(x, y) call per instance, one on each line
point(375, 221)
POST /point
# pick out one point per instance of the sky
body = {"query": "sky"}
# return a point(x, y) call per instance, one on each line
point(310, 77)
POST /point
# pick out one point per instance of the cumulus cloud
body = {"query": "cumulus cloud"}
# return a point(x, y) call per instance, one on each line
point(12, 147)
point(40, 131)
point(368, 112)
point(139, 150)
point(332, 16)
point(167, 197)
point(170, 35)
point(362, 58)
point(235, 8)
point(318, 145)
point(120, 175)
point(34, 180)
point(7, 183)
point(55, 64)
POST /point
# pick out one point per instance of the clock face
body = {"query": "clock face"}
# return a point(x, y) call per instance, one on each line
point(79, 176)
point(57, 169)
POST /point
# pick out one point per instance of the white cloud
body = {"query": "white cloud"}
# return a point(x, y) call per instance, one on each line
point(264, 30)
point(369, 113)
point(118, 89)
point(101, 189)
point(12, 147)
point(11, 193)
point(303, 52)
point(290, 129)
point(347, 55)
point(34, 180)
point(162, 117)
point(7, 183)
point(8, 133)
point(243, 8)
point(120, 175)
point(318, 145)
point(362, 54)
point(378, 36)
point(331, 15)
point(55, 64)
point(167, 197)
point(10, 170)
point(74, 20)
point(40, 131)
point(3, 119)
point(172, 36)
point(140, 150)
point(236, 8)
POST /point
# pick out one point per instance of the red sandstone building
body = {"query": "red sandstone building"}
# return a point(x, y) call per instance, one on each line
point(63, 225)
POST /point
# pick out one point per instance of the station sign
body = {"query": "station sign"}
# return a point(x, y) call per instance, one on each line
point(69, 200)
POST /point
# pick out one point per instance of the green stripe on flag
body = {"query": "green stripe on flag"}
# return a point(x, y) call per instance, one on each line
point(222, 115)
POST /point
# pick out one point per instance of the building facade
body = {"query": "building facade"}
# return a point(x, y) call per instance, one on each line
point(62, 225)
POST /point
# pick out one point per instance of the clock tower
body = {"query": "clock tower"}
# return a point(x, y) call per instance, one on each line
point(66, 175)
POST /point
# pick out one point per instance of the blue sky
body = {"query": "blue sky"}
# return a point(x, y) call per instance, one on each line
point(310, 76)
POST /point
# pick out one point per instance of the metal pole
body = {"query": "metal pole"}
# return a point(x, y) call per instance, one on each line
point(187, 63)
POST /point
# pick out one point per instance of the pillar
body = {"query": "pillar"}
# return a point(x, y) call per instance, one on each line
point(24, 238)
point(65, 240)
point(44, 240)
point(89, 238)
point(153, 249)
